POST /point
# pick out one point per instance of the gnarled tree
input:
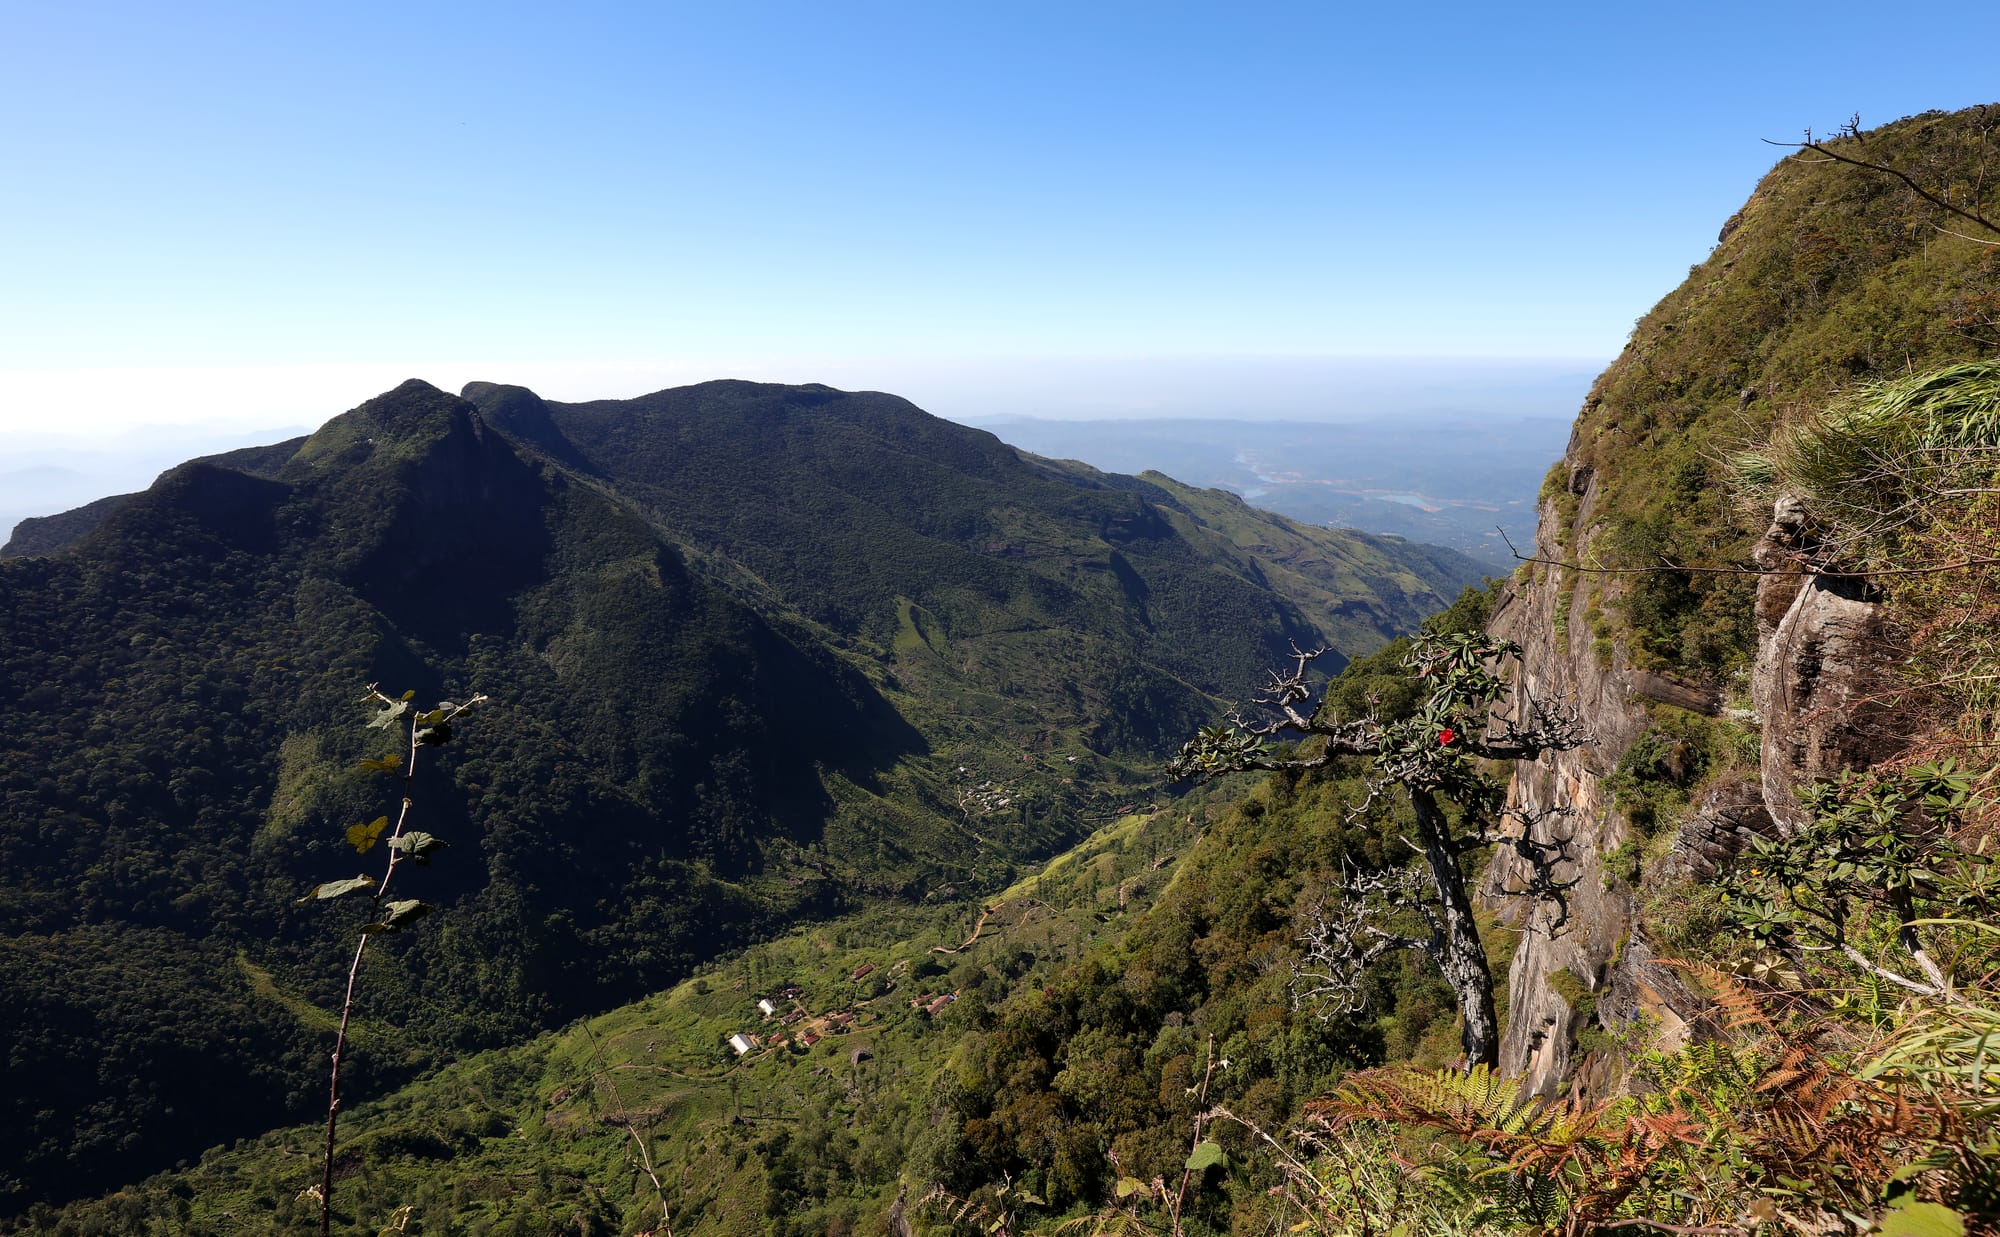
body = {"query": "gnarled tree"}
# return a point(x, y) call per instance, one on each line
point(1470, 713)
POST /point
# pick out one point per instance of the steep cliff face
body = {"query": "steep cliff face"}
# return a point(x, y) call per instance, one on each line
point(1830, 276)
point(1819, 682)
point(1574, 952)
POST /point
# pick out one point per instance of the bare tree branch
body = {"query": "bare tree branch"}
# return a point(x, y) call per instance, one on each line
point(1471, 712)
point(1344, 938)
point(1853, 130)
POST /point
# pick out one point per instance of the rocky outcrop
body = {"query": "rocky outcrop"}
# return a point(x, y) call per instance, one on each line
point(1573, 944)
point(1721, 824)
point(1822, 684)
point(1640, 1000)
point(1820, 688)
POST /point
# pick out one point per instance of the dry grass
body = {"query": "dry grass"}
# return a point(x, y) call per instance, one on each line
point(1906, 474)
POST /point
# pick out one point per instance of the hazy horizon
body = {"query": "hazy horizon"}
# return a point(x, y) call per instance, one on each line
point(265, 219)
point(44, 471)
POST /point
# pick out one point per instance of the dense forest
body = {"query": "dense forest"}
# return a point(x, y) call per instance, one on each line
point(1097, 992)
point(899, 682)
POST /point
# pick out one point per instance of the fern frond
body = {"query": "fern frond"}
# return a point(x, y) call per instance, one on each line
point(1478, 1099)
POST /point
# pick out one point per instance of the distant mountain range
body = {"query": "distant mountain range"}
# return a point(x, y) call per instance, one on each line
point(1450, 480)
point(1443, 477)
point(756, 653)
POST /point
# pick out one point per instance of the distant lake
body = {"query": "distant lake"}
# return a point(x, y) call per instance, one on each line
point(1408, 500)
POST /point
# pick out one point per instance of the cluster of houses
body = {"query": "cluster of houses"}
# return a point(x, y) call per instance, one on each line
point(985, 798)
point(798, 1029)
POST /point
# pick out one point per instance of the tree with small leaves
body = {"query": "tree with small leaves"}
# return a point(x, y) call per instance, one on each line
point(1470, 713)
point(423, 729)
point(1875, 869)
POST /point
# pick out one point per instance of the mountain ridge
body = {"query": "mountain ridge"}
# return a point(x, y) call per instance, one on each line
point(715, 724)
point(1061, 1049)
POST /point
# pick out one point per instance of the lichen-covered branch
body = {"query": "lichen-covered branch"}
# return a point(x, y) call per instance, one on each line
point(1470, 714)
point(1345, 935)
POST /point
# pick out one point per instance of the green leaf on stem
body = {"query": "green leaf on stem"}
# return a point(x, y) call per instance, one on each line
point(333, 889)
point(362, 837)
point(388, 717)
point(396, 914)
point(1922, 1220)
point(416, 847)
point(1206, 1155)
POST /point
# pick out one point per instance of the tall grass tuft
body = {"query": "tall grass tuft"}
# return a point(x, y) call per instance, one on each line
point(1903, 477)
point(1870, 467)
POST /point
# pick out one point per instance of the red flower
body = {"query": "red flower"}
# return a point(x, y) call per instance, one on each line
point(1446, 735)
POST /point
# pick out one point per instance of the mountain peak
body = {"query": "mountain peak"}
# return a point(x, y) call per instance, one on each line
point(413, 417)
point(523, 416)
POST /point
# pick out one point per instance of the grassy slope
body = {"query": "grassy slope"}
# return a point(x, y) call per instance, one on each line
point(1828, 277)
point(535, 1133)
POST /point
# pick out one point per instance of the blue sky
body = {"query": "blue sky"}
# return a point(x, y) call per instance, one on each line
point(266, 213)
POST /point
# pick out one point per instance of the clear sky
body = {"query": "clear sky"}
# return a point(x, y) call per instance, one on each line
point(265, 213)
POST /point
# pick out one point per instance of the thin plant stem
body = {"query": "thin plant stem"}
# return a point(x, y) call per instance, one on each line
point(631, 1127)
point(361, 949)
point(353, 977)
point(1200, 1123)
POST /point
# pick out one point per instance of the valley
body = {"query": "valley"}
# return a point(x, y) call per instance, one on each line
point(1447, 478)
point(815, 868)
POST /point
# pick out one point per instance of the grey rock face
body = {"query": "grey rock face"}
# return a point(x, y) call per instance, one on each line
point(1822, 684)
point(1584, 932)
point(1720, 825)
point(1782, 552)
point(1820, 688)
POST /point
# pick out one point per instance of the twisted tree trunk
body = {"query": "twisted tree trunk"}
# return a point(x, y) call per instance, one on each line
point(1455, 942)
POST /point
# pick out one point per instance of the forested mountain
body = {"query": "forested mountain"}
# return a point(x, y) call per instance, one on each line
point(1743, 936)
point(1464, 479)
point(756, 654)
